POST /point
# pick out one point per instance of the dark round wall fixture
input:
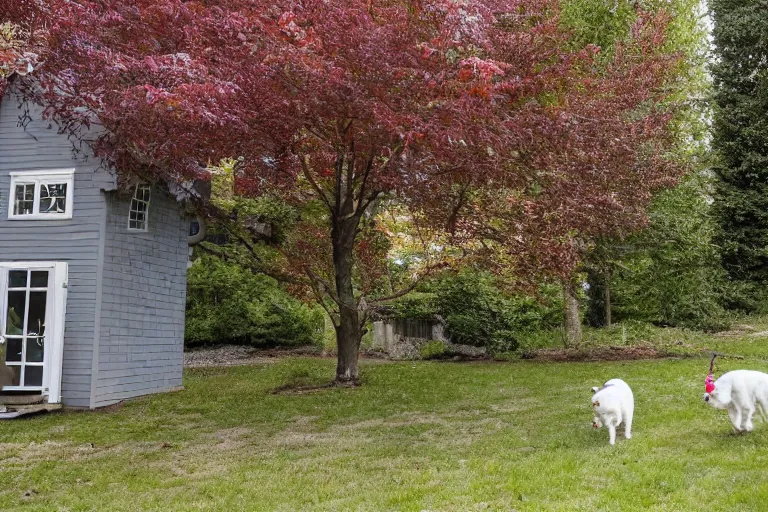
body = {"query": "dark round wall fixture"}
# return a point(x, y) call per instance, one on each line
point(196, 231)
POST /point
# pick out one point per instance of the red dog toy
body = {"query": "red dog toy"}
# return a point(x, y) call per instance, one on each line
point(709, 382)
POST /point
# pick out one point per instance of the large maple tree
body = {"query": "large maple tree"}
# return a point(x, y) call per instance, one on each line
point(476, 116)
point(22, 36)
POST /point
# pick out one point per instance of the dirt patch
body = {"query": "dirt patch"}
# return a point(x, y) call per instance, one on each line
point(232, 438)
point(238, 355)
point(401, 420)
point(737, 330)
point(596, 354)
point(301, 388)
point(111, 409)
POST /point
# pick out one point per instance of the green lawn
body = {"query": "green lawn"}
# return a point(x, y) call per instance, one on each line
point(434, 436)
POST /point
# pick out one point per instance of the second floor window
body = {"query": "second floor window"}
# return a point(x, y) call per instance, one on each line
point(41, 195)
point(139, 212)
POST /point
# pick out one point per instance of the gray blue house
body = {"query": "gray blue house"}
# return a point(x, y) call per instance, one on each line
point(92, 276)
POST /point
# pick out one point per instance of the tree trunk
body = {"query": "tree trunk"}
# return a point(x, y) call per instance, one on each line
point(607, 293)
point(348, 332)
point(571, 315)
point(348, 336)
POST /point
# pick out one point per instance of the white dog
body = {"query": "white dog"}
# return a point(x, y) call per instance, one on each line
point(740, 392)
point(613, 405)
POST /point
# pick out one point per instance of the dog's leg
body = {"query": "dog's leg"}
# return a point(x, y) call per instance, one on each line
point(628, 424)
point(734, 413)
point(760, 405)
point(748, 426)
point(762, 409)
point(612, 433)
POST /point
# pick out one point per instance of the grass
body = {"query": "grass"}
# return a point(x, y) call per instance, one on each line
point(434, 436)
point(746, 339)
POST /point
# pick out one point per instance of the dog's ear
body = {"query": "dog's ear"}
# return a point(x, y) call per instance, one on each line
point(596, 403)
point(595, 389)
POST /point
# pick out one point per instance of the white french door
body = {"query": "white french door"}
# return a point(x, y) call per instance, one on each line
point(32, 307)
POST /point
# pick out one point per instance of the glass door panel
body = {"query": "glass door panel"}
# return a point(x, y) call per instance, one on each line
point(26, 305)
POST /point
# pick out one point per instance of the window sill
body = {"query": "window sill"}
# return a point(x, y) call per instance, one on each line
point(41, 216)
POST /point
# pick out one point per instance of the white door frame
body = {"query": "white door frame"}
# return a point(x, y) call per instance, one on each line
point(55, 314)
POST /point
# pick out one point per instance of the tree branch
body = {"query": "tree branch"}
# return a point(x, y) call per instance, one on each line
point(240, 238)
point(205, 247)
point(409, 288)
point(453, 217)
point(363, 318)
point(350, 192)
point(321, 300)
point(325, 284)
point(313, 183)
point(363, 184)
point(337, 185)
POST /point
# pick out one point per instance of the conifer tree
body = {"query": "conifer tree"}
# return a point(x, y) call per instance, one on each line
point(740, 74)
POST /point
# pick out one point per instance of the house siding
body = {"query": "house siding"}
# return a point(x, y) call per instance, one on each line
point(140, 348)
point(76, 241)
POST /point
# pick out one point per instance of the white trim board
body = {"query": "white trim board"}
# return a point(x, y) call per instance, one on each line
point(55, 320)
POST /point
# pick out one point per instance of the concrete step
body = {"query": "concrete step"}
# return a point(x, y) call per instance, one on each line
point(22, 399)
point(23, 410)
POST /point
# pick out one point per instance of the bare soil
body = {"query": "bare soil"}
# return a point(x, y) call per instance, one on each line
point(238, 355)
point(235, 355)
point(303, 389)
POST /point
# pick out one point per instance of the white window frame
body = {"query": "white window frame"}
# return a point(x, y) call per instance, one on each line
point(148, 202)
point(38, 178)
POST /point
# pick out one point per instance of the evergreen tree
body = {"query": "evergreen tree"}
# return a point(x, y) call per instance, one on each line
point(740, 73)
point(667, 274)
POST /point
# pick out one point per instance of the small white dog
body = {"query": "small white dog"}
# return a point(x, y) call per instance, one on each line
point(740, 392)
point(613, 404)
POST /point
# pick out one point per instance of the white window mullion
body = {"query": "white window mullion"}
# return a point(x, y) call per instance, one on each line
point(36, 199)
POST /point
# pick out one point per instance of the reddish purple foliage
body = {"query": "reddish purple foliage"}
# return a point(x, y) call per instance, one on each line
point(475, 113)
point(410, 98)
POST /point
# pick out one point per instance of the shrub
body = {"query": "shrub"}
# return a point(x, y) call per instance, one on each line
point(432, 349)
point(478, 312)
point(228, 304)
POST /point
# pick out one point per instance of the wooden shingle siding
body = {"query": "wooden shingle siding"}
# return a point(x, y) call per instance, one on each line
point(143, 298)
point(76, 241)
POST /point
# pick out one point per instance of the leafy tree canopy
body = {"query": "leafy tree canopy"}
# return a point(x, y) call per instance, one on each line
point(483, 117)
